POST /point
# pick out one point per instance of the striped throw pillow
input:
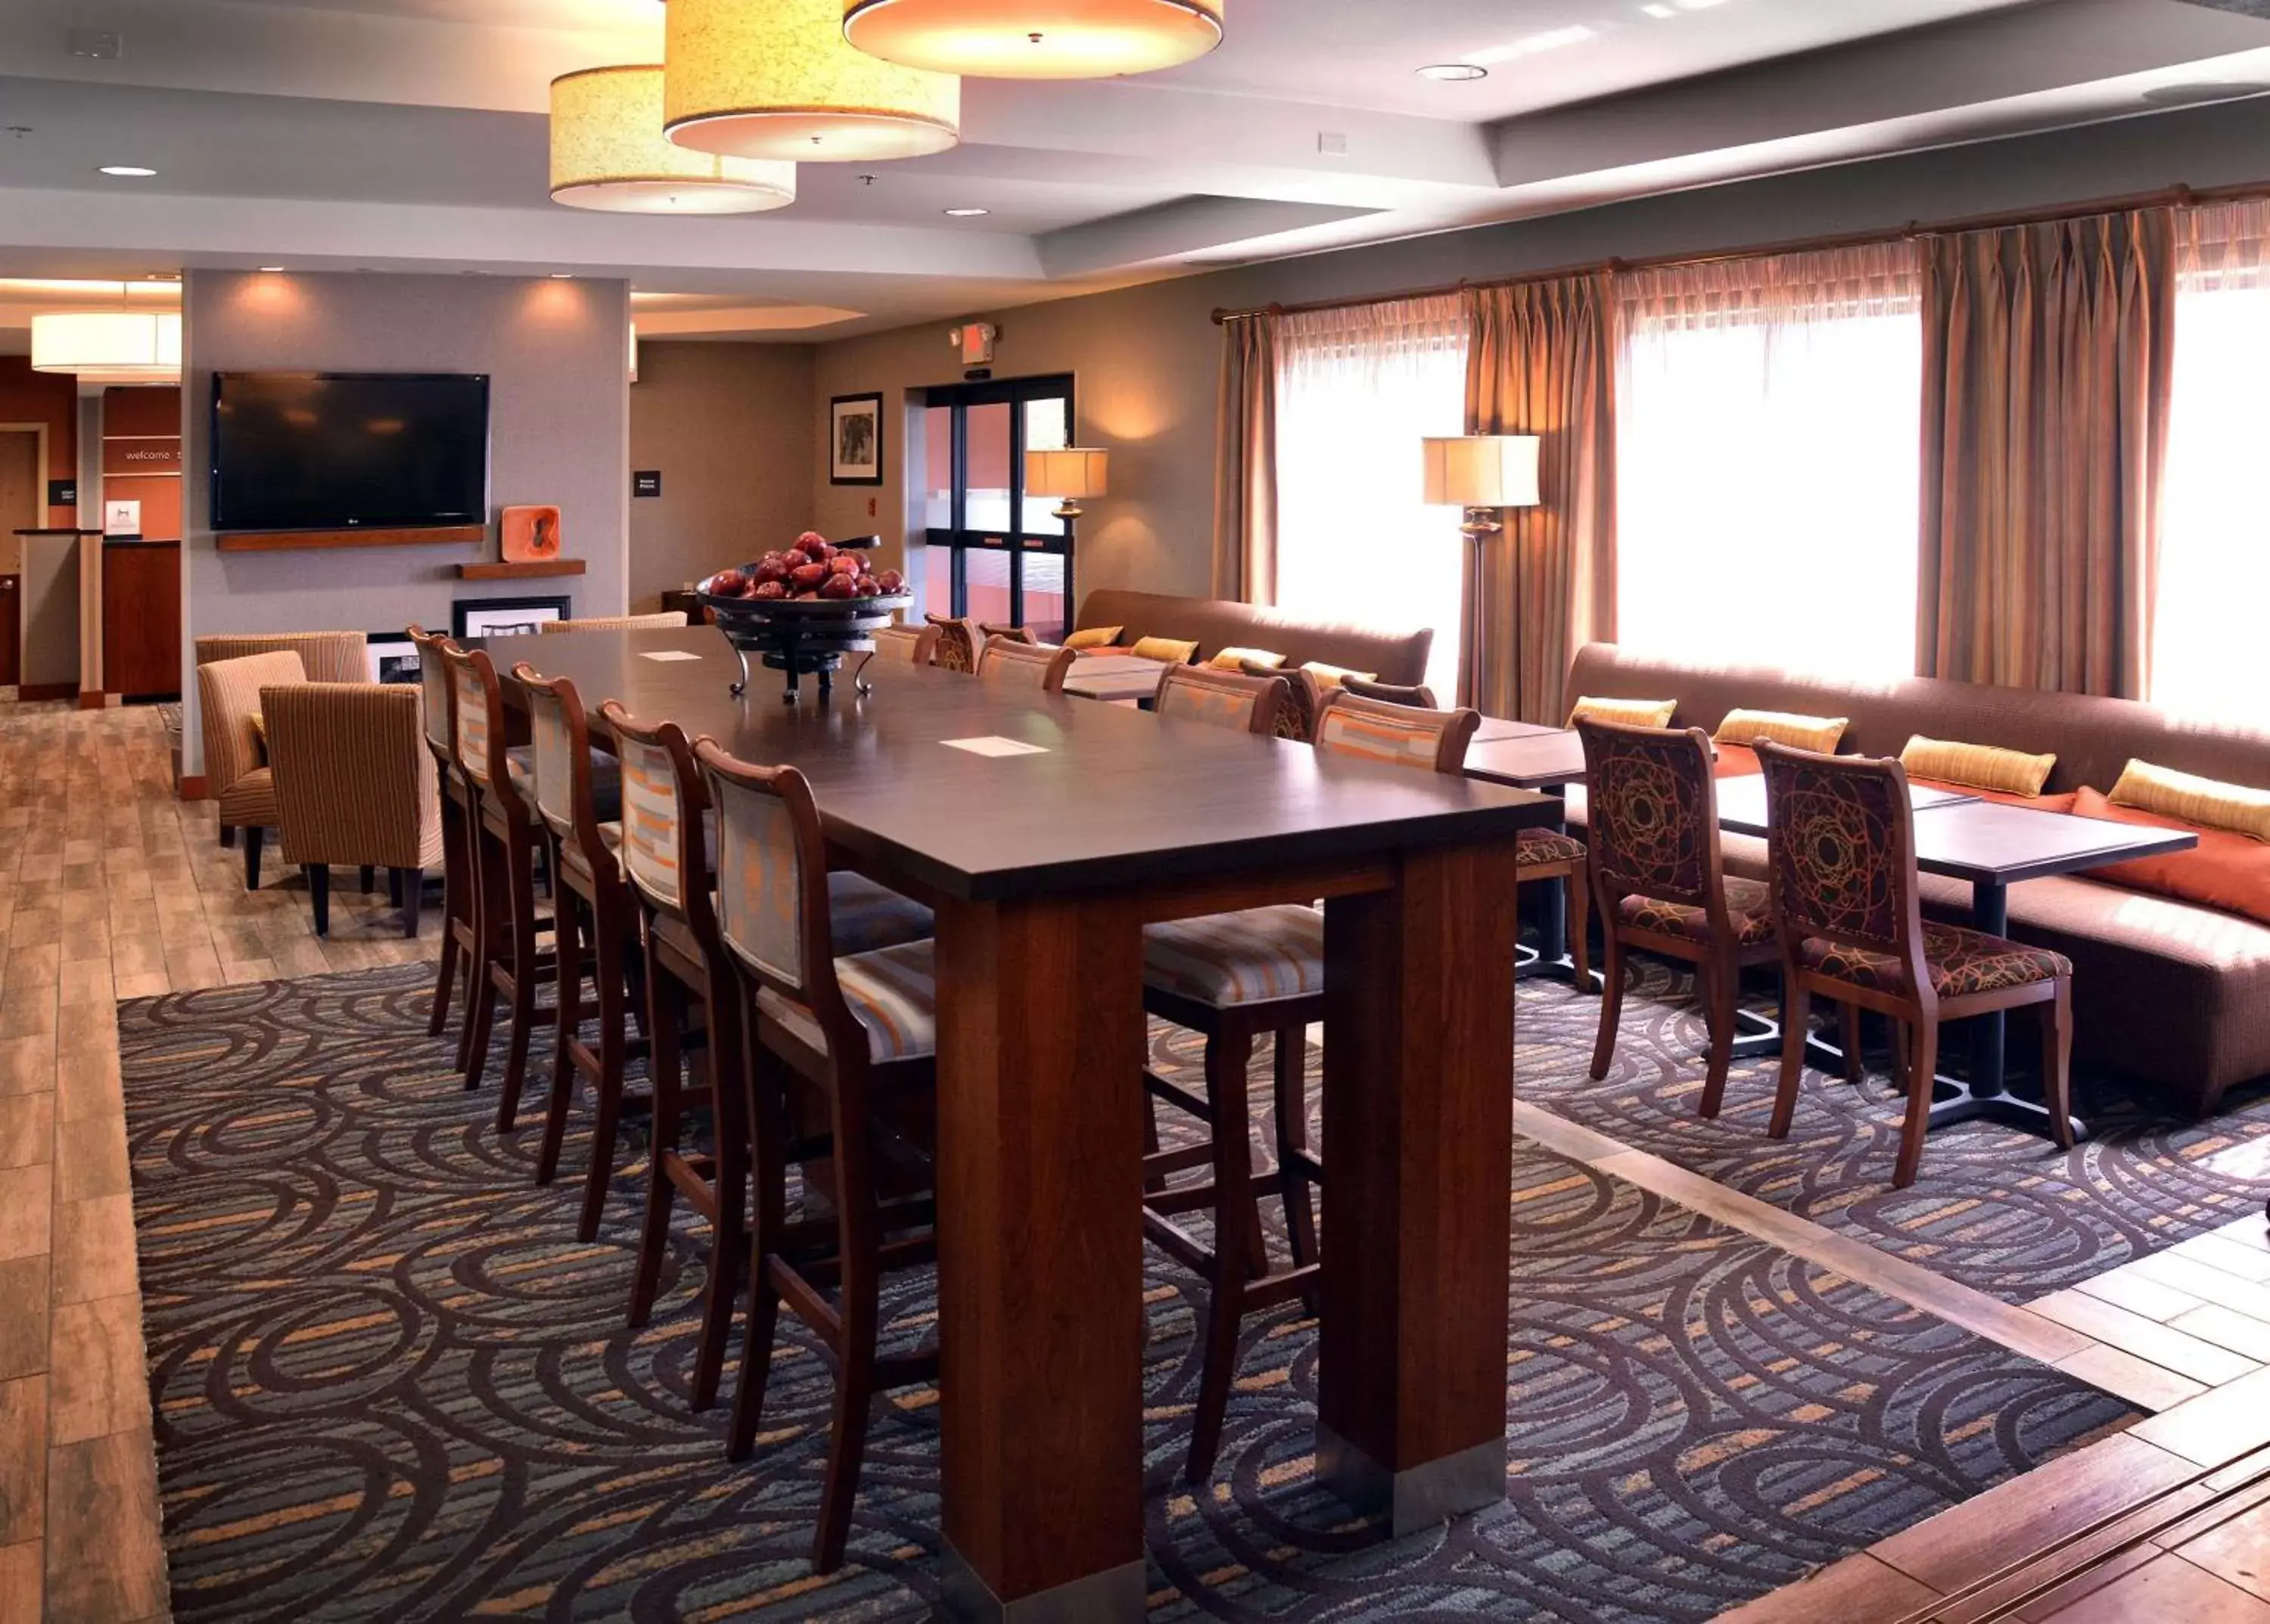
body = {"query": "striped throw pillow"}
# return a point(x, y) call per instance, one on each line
point(1173, 650)
point(1239, 659)
point(1976, 766)
point(1799, 732)
point(1328, 677)
point(2202, 801)
point(1629, 713)
point(1094, 637)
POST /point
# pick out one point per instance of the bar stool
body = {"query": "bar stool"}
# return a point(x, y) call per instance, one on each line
point(907, 645)
point(860, 1031)
point(505, 843)
point(1027, 667)
point(441, 722)
point(959, 642)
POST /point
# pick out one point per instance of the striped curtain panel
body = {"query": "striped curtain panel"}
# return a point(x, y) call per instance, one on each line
point(2047, 367)
point(1540, 362)
point(1245, 463)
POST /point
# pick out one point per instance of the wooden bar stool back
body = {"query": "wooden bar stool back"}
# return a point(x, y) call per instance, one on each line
point(1840, 836)
point(438, 695)
point(1031, 667)
point(907, 645)
point(859, 1031)
point(959, 642)
point(1652, 830)
point(1220, 698)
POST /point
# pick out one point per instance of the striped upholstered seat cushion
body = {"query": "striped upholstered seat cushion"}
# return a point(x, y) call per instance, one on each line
point(251, 799)
point(891, 992)
point(866, 915)
point(1254, 956)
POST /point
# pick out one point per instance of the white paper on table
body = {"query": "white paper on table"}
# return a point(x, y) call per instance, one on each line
point(994, 745)
point(670, 654)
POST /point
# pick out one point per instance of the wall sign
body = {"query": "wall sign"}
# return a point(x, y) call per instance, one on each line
point(646, 482)
point(62, 492)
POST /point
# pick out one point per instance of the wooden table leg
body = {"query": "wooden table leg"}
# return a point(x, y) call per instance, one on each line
point(1418, 1112)
point(1040, 1259)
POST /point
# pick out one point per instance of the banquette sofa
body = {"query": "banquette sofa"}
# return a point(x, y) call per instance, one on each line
point(2165, 991)
point(1214, 625)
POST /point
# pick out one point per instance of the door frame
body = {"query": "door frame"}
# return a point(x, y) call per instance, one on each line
point(39, 474)
point(1015, 542)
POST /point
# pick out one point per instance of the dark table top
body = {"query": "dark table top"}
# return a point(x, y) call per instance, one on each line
point(1529, 759)
point(1111, 798)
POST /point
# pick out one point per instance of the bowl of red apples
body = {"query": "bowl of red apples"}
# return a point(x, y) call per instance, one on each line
point(804, 608)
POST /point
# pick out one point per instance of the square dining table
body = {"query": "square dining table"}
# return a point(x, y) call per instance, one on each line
point(1115, 677)
point(1043, 865)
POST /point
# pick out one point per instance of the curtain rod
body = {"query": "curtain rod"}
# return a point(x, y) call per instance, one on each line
point(2173, 197)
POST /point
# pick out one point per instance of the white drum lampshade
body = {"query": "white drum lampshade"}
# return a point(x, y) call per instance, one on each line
point(608, 151)
point(778, 80)
point(1071, 472)
point(1036, 39)
point(110, 346)
point(1481, 473)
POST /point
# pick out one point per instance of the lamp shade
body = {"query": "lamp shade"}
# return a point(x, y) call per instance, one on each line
point(1073, 471)
point(1482, 471)
point(778, 79)
point(1035, 38)
point(608, 151)
point(110, 346)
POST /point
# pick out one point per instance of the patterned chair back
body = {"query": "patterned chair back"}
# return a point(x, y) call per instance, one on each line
point(433, 685)
point(1432, 741)
point(1304, 697)
point(907, 645)
point(1007, 633)
point(1032, 667)
point(664, 852)
point(477, 708)
point(228, 698)
point(959, 644)
point(1840, 837)
point(1418, 696)
point(1221, 699)
point(663, 621)
point(1652, 815)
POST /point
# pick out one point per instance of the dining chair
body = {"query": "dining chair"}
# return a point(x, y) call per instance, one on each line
point(1232, 977)
point(1007, 633)
point(596, 928)
point(1032, 667)
point(506, 842)
point(354, 786)
point(1418, 695)
point(1658, 883)
point(228, 709)
point(860, 1031)
point(1220, 698)
point(1304, 697)
point(907, 645)
point(959, 642)
point(1840, 839)
point(663, 621)
point(325, 656)
point(439, 711)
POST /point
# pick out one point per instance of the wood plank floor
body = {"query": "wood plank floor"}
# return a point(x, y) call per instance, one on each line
point(112, 889)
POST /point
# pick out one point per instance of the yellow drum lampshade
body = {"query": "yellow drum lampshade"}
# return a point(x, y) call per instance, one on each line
point(608, 151)
point(1482, 471)
point(110, 346)
point(778, 79)
point(1071, 472)
point(1036, 39)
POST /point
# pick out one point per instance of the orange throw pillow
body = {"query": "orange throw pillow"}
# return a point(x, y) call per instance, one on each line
point(2005, 797)
point(2225, 870)
point(1737, 762)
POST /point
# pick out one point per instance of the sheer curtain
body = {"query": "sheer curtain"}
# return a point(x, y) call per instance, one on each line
point(2214, 545)
point(1357, 389)
point(1767, 459)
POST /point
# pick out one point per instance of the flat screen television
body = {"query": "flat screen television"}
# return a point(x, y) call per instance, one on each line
point(349, 450)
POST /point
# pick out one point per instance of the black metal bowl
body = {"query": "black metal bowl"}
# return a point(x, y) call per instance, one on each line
point(800, 635)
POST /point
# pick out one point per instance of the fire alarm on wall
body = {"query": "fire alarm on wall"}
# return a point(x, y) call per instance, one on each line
point(976, 342)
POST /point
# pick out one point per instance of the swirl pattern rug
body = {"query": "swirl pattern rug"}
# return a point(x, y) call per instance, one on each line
point(391, 1385)
point(1996, 1208)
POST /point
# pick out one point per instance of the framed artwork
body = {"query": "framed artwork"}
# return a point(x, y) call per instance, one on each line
point(529, 535)
point(855, 439)
point(504, 617)
point(393, 657)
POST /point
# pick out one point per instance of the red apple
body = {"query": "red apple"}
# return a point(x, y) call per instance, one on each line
point(812, 543)
point(864, 586)
point(837, 586)
point(843, 564)
point(891, 580)
point(768, 589)
point(808, 576)
point(805, 597)
point(725, 582)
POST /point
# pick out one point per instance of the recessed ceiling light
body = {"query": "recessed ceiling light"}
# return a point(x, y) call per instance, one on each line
point(563, 276)
point(967, 214)
point(1453, 72)
point(128, 172)
point(1659, 10)
point(271, 269)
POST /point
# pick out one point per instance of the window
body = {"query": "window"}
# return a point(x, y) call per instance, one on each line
point(994, 552)
point(2215, 537)
point(1768, 413)
point(1357, 389)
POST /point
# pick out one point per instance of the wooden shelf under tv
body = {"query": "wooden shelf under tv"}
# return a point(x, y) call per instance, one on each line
point(283, 541)
point(525, 570)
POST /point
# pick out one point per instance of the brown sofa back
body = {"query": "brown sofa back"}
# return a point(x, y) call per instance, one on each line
point(2092, 738)
point(1215, 625)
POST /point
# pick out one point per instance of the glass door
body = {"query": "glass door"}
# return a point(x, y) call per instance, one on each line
point(1000, 555)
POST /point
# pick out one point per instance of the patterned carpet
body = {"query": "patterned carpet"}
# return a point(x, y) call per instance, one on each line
point(1996, 1208)
point(391, 1385)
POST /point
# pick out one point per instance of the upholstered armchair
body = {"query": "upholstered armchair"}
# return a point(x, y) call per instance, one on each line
point(355, 784)
point(228, 708)
point(326, 657)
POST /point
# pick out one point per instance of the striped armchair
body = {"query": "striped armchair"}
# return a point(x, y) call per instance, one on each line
point(326, 657)
point(354, 785)
point(667, 619)
point(229, 699)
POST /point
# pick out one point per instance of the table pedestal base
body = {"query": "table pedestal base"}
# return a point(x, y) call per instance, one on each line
point(1956, 1101)
point(1417, 1497)
point(1114, 1595)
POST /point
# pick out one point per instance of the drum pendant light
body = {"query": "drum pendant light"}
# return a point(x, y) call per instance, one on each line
point(777, 79)
point(608, 151)
point(1036, 39)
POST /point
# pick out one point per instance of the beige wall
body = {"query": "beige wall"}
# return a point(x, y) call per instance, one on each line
point(1146, 359)
point(732, 428)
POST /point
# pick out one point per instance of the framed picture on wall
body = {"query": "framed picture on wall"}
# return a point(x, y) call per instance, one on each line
point(393, 657)
point(504, 617)
point(855, 439)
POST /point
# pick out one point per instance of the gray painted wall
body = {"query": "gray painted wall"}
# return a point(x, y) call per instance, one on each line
point(555, 353)
point(1145, 358)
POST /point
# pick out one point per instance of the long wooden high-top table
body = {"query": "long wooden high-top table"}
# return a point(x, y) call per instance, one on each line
point(1043, 869)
